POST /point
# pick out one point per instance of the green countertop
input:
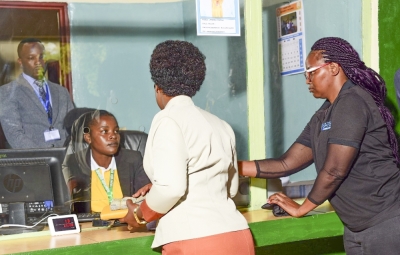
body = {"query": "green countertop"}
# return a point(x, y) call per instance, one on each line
point(314, 234)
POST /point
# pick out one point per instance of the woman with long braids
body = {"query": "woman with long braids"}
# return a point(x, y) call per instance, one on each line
point(351, 141)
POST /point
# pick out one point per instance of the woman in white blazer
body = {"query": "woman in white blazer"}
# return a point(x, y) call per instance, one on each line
point(190, 159)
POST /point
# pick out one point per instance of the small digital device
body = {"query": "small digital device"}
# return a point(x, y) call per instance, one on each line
point(63, 225)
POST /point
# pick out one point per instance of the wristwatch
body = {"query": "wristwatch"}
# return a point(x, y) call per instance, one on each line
point(140, 222)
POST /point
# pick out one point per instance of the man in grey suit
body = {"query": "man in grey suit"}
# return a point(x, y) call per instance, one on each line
point(32, 109)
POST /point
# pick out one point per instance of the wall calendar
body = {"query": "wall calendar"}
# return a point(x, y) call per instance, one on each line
point(291, 38)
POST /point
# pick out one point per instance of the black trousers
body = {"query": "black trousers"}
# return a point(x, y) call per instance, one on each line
point(383, 238)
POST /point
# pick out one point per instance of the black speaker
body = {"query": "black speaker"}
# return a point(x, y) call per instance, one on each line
point(242, 198)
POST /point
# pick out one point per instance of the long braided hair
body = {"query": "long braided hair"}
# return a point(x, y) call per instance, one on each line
point(338, 50)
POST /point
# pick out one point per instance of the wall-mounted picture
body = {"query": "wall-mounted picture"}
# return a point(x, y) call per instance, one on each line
point(47, 22)
point(289, 23)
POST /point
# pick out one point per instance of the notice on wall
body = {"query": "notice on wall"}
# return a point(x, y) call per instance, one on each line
point(218, 17)
point(291, 38)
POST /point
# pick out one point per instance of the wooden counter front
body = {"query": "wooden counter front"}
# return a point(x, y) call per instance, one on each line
point(43, 240)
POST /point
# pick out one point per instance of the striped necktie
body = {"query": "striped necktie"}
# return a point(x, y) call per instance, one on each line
point(42, 93)
point(48, 108)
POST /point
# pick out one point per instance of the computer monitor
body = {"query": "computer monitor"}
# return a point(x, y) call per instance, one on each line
point(33, 177)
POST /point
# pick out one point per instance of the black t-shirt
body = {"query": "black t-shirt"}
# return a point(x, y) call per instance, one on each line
point(370, 192)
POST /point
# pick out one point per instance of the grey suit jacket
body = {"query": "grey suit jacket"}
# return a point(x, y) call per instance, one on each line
point(24, 118)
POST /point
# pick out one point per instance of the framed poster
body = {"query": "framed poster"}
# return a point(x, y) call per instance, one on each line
point(291, 38)
point(47, 22)
point(218, 17)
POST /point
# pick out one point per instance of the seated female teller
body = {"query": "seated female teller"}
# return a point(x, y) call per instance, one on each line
point(99, 170)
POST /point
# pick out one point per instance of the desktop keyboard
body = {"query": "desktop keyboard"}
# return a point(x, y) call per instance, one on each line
point(87, 217)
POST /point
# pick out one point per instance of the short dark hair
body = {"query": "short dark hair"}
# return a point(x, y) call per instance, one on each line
point(27, 40)
point(91, 117)
point(178, 68)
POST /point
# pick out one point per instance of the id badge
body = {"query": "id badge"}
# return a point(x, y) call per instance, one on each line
point(51, 135)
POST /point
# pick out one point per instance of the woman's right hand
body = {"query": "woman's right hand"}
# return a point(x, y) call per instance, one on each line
point(129, 218)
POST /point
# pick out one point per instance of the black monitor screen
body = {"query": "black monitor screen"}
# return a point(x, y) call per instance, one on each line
point(26, 181)
point(33, 175)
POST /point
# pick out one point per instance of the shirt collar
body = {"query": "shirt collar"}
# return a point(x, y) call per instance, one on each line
point(179, 100)
point(31, 80)
point(347, 85)
point(94, 166)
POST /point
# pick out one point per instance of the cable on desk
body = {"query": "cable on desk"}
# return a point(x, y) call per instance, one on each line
point(25, 226)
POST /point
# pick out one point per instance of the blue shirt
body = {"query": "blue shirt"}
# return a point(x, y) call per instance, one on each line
point(31, 82)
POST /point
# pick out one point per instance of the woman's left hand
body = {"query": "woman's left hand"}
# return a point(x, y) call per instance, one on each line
point(143, 190)
point(132, 223)
point(286, 204)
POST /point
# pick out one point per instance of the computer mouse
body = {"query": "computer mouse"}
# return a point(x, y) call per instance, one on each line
point(277, 211)
point(268, 206)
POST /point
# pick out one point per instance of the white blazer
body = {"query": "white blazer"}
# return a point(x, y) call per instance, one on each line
point(190, 158)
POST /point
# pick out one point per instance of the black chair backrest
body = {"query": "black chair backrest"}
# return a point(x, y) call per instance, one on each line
point(70, 118)
point(133, 140)
point(130, 139)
